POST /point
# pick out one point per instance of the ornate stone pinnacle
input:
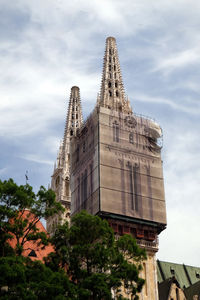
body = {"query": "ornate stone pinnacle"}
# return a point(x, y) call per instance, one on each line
point(112, 94)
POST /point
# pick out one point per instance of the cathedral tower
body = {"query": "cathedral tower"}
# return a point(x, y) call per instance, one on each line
point(61, 175)
point(116, 168)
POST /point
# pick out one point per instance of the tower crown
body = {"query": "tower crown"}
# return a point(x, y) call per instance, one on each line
point(74, 115)
point(112, 93)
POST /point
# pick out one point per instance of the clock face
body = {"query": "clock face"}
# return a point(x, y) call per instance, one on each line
point(130, 122)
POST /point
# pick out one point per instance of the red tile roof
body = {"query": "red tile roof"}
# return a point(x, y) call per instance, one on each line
point(31, 248)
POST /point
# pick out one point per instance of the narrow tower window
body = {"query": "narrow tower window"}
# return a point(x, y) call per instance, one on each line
point(78, 183)
point(84, 147)
point(67, 187)
point(109, 67)
point(82, 190)
point(109, 84)
point(131, 138)
point(145, 277)
point(136, 179)
point(177, 294)
point(116, 84)
point(117, 94)
point(110, 93)
point(77, 154)
point(85, 189)
point(91, 180)
point(116, 132)
point(114, 68)
point(133, 177)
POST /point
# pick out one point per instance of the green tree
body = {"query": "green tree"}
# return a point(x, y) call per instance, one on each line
point(20, 211)
point(97, 263)
point(21, 278)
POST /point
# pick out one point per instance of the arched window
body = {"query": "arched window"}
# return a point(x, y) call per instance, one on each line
point(91, 180)
point(131, 138)
point(77, 153)
point(85, 187)
point(84, 147)
point(78, 202)
point(57, 181)
point(109, 84)
point(110, 93)
point(67, 187)
point(115, 132)
point(117, 94)
point(177, 294)
point(116, 84)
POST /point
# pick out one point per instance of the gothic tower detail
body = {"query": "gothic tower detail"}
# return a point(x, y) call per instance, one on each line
point(60, 182)
point(112, 93)
point(116, 168)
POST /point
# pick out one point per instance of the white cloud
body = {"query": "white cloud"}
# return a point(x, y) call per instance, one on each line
point(3, 171)
point(172, 103)
point(178, 60)
point(37, 159)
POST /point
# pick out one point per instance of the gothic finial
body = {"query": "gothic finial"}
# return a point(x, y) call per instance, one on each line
point(112, 90)
point(74, 115)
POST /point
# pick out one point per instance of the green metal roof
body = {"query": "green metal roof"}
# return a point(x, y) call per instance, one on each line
point(192, 290)
point(185, 275)
point(194, 273)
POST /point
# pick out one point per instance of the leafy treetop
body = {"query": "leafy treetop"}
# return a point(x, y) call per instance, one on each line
point(20, 211)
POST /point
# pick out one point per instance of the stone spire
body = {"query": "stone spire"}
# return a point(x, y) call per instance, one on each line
point(74, 115)
point(74, 120)
point(112, 93)
point(61, 175)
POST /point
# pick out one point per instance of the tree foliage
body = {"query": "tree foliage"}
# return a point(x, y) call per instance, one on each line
point(21, 278)
point(88, 261)
point(20, 211)
point(98, 265)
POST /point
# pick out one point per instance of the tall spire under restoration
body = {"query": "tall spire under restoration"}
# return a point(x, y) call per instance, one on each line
point(112, 93)
point(74, 116)
point(61, 175)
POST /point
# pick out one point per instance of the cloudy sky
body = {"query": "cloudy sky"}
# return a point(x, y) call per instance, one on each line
point(48, 46)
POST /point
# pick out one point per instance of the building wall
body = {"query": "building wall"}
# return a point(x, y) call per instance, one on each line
point(149, 273)
point(131, 181)
point(85, 168)
point(176, 293)
point(116, 170)
point(120, 170)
